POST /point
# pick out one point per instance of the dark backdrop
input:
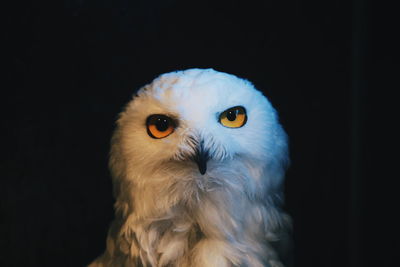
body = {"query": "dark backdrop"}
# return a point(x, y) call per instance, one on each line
point(72, 65)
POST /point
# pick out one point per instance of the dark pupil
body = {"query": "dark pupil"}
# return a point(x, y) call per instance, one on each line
point(231, 115)
point(162, 124)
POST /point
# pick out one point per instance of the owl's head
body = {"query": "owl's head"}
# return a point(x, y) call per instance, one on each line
point(200, 122)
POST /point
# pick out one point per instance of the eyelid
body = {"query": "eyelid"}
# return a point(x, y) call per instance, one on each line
point(173, 118)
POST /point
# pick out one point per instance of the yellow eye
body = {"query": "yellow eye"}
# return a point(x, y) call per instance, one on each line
point(234, 117)
point(160, 126)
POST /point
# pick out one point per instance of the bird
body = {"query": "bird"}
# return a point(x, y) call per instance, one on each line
point(198, 160)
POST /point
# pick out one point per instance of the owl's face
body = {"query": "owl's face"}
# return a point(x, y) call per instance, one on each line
point(197, 119)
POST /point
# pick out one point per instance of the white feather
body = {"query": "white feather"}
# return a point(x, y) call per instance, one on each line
point(167, 213)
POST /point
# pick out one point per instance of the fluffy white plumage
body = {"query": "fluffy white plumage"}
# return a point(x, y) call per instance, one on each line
point(170, 214)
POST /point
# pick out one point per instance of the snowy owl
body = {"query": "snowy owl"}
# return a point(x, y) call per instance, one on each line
point(198, 159)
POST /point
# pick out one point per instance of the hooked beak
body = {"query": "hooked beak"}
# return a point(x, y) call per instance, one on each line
point(201, 157)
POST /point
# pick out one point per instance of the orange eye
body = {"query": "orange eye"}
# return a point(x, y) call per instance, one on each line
point(234, 117)
point(159, 126)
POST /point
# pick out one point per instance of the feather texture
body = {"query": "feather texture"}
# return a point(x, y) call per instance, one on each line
point(169, 214)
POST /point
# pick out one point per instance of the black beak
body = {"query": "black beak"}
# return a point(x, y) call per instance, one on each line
point(201, 157)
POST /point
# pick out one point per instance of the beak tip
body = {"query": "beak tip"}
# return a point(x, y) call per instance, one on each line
point(202, 164)
point(201, 157)
point(202, 171)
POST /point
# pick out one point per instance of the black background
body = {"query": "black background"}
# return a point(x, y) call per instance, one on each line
point(72, 65)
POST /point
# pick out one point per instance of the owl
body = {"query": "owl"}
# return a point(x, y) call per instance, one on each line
point(198, 159)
